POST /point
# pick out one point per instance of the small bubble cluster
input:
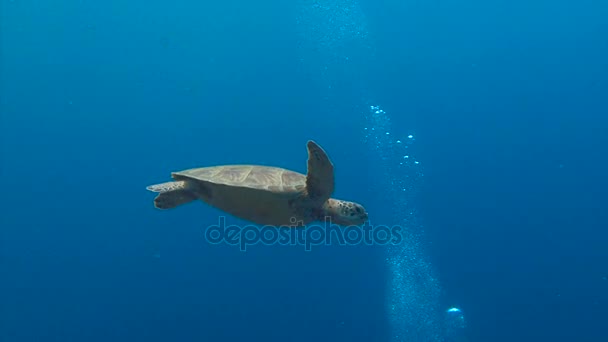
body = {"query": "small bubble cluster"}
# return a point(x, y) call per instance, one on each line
point(379, 134)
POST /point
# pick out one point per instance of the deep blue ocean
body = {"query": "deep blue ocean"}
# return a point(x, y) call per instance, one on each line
point(480, 127)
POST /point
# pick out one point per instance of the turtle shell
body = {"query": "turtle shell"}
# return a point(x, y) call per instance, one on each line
point(261, 194)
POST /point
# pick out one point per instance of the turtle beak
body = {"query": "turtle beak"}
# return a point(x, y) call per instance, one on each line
point(361, 213)
point(364, 217)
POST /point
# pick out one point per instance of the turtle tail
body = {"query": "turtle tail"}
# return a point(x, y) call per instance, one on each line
point(171, 194)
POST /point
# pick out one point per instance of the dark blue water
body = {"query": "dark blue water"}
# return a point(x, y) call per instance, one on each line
point(508, 101)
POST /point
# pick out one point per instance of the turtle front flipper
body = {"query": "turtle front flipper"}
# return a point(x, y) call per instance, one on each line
point(171, 194)
point(320, 175)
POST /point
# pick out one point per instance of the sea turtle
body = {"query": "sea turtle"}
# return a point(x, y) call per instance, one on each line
point(264, 195)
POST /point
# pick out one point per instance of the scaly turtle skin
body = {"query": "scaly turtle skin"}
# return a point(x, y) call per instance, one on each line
point(264, 195)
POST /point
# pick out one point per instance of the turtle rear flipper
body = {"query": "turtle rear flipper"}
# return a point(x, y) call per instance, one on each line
point(171, 194)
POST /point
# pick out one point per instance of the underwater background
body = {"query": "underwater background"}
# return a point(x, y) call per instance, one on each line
point(478, 126)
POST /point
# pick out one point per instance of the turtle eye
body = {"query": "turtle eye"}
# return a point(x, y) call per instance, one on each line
point(358, 210)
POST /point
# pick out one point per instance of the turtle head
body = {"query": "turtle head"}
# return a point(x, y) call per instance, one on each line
point(345, 213)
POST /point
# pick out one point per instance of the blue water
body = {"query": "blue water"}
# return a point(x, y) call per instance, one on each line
point(505, 203)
